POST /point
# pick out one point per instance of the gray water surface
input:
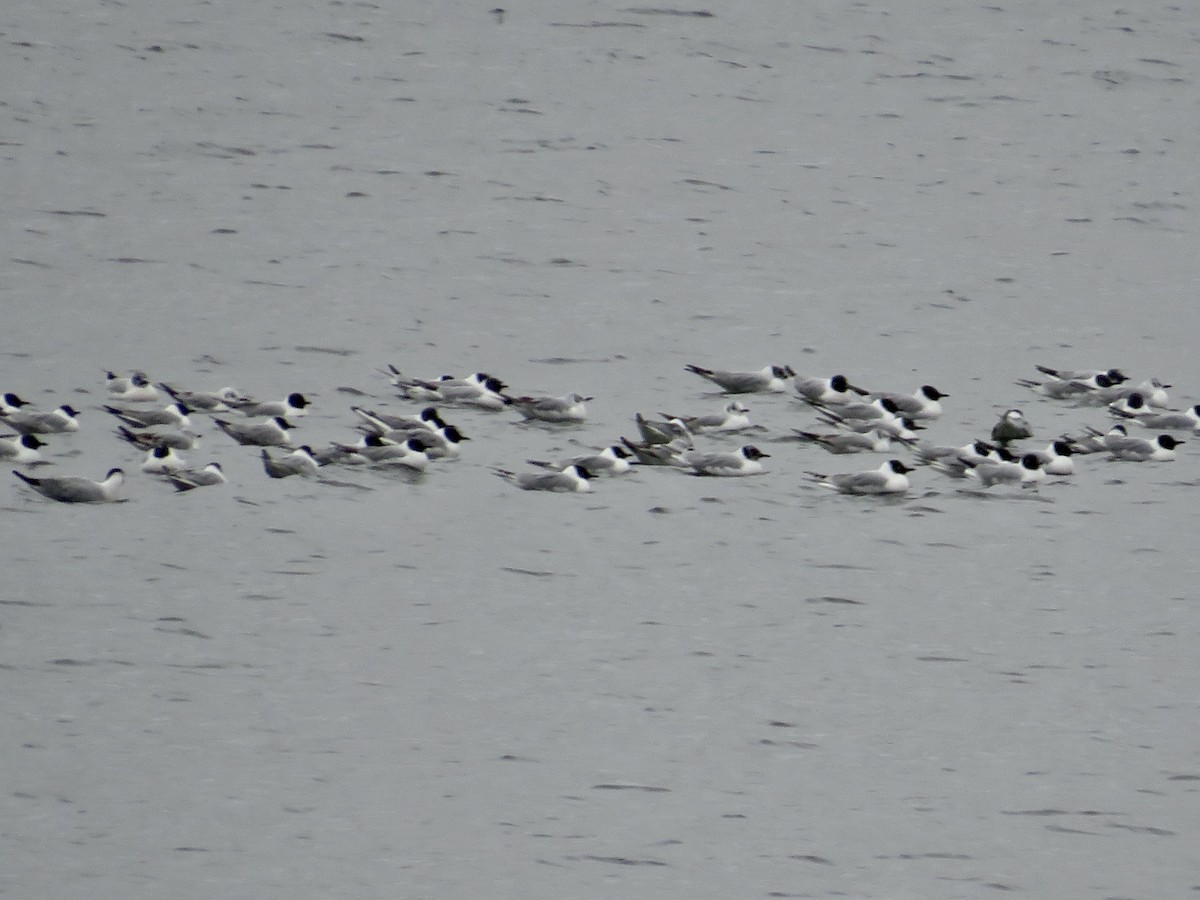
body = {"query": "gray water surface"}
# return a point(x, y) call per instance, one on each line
point(672, 687)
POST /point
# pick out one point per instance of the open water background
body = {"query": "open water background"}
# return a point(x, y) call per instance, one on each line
point(674, 687)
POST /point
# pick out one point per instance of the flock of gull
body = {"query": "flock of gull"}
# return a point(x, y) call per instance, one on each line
point(848, 420)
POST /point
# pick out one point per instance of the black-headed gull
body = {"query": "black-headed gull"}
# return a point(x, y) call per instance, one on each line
point(772, 379)
point(572, 479)
point(78, 490)
point(272, 432)
point(743, 461)
point(890, 478)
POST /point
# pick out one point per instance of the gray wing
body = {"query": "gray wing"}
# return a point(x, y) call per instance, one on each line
point(69, 490)
point(550, 481)
point(859, 482)
point(740, 382)
point(713, 462)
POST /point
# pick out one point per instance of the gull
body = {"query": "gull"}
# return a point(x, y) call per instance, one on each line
point(448, 382)
point(479, 390)
point(773, 379)
point(1130, 406)
point(1112, 376)
point(190, 479)
point(863, 410)
point(572, 479)
point(613, 460)
point(291, 406)
point(1057, 459)
point(437, 444)
point(923, 403)
point(1025, 471)
point(176, 414)
point(162, 460)
point(659, 454)
point(1060, 389)
point(1153, 391)
point(959, 464)
point(655, 432)
point(134, 389)
point(732, 418)
point(1188, 420)
point(179, 438)
point(10, 403)
point(382, 423)
point(1011, 427)
point(1160, 449)
point(976, 451)
point(1137, 405)
point(56, 421)
point(832, 390)
point(1093, 440)
point(899, 428)
point(222, 400)
point(271, 432)
point(21, 448)
point(78, 490)
point(743, 461)
point(890, 478)
point(872, 441)
point(378, 449)
point(560, 410)
point(299, 462)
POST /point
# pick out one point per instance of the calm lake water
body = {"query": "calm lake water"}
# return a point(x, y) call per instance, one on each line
point(672, 687)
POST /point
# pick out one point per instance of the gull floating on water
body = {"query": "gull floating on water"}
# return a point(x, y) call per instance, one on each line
point(383, 423)
point(270, 433)
point(1011, 427)
point(569, 409)
point(134, 389)
point(773, 379)
point(572, 479)
point(1188, 420)
point(743, 461)
point(299, 462)
point(78, 490)
point(1057, 458)
point(664, 432)
point(176, 414)
point(1112, 376)
point(56, 421)
point(1159, 449)
point(291, 406)
point(732, 418)
point(21, 448)
point(162, 460)
point(659, 454)
point(612, 460)
point(924, 403)
point(438, 443)
point(179, 438)
point(10, 403)
point(1024, 471)
point(872, 441)
point(479, 390)
point(222, 400)
point(832, 390)
point(890, 478)
point(190, 479)
point(384, 451)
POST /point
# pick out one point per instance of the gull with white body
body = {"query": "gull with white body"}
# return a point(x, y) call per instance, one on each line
point(891, 478)
point(769, 379)
point(743, 461)
point(78, 490)
point(572, 479)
